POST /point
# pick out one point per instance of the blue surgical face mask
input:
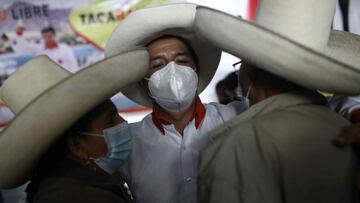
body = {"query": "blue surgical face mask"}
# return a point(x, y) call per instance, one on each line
point(118, 141)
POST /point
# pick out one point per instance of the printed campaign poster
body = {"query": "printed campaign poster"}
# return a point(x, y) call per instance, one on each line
point(73, 33)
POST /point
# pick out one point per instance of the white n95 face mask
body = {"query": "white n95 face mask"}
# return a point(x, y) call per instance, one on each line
point(173, 87)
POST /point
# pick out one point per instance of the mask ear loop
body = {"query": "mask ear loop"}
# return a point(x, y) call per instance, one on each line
point(147, 89)
point(237, 72)
point(91, 134)
point(248, 92)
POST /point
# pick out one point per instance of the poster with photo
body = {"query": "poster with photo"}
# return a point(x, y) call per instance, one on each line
point(73, 33)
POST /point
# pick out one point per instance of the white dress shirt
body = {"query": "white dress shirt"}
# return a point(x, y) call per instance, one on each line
point(63, 55)
point(163, 165)
point(22, 46)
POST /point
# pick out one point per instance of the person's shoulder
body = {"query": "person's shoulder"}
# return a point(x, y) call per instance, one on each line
point(302, 115)
point(144, 129)
point(147, 120)
point(216, 105)
point(232, 143)
point(279, 123)
point(234, 129)
point(226, 112)
point(241, 133)
point(73, 191)
point(64, 46)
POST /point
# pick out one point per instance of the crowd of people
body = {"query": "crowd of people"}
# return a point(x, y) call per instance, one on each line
point(274, 138)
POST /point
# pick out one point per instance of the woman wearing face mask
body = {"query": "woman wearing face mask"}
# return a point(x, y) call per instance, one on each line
point(163, 165)
point(78, 167)
point(65, 138)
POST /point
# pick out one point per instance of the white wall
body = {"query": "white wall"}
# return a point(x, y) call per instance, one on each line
point(354, 17)
point(234, 7)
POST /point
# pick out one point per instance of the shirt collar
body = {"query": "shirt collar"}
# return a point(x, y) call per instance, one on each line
point(54, 46)
point(277, 102)
point(198, 115)
point(284, 100)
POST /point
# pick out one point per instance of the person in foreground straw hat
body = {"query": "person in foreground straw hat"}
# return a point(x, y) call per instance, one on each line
point(162, 167)
point(79, 167)
point(63, 151)
point(280, 150)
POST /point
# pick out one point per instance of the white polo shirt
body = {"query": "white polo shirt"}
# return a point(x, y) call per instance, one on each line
point(163, 165)
point(63, 55)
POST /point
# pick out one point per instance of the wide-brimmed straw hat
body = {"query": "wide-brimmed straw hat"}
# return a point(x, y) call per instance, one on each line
point(47, 100)
point(144, 25)
point(291, 39)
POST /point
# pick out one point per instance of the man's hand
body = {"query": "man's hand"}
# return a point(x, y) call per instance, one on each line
point(349, 135)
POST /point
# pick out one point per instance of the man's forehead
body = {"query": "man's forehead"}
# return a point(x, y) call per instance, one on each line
point(168, 44)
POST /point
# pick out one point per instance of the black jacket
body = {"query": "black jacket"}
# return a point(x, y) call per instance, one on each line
point(70, 182)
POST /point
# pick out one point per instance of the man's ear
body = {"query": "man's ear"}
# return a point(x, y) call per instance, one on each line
point(76, 148)
point(143, 83)
point(197, 70)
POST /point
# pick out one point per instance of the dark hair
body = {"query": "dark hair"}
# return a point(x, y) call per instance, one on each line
point(272, 81)
point(231, 81)
point(186, 42)
point(60, 149)
point(226, 89)
point(4, 37)
point(220, 86)
point(48, 29)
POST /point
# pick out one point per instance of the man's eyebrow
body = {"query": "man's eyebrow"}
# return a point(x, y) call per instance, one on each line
point(185, 53)
point(159, 56)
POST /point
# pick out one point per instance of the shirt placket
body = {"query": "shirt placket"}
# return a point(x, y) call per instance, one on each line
point(188, 165)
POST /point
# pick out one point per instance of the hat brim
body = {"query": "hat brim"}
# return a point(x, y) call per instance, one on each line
point(344, 46)
point(46, 118)
point(145, 25)
point(277, 54)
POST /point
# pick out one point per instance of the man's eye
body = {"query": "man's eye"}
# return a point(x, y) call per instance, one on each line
point(157, 65)
point(109, 122)
point(182, 60)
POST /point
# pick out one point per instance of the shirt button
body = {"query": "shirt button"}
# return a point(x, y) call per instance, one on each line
point(188, 179)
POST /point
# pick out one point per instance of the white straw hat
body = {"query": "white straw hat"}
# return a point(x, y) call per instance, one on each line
point(145, 25)
point(47, 100)
point(291, 39)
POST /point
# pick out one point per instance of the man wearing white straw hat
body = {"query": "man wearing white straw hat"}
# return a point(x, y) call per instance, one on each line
point(280, 149)
point(163, 165)
point(41, 83)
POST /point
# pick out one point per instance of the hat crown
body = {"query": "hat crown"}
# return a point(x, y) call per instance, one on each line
point(32, 79)
point(312, 29)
